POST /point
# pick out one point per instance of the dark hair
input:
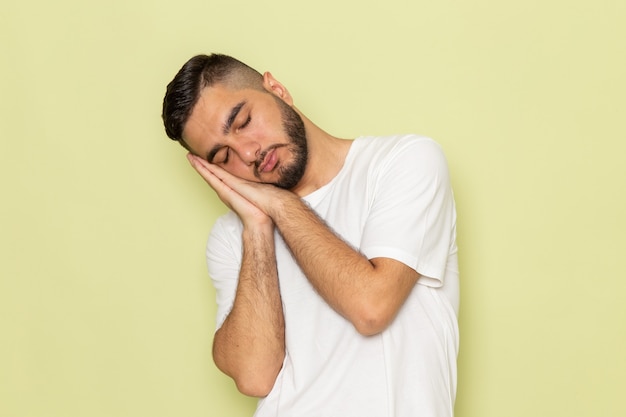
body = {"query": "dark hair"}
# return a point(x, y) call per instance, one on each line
point(199, 72)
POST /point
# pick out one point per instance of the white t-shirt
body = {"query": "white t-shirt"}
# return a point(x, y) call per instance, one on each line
point(393, 199)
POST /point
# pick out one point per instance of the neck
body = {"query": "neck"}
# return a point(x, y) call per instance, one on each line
point(327, 154)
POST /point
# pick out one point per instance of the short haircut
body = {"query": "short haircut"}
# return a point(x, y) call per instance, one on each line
point(199, 72)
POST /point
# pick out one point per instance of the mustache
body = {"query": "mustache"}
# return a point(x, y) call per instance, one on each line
point(263, 154)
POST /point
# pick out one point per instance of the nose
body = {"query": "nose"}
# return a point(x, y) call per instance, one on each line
point(248, 151)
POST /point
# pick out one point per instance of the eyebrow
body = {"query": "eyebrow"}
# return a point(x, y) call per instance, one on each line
point(228, 124)
point(231, 118)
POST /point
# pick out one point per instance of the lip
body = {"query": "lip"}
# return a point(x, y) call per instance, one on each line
point(269, 162)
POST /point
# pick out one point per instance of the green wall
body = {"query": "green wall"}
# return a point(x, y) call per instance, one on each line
point(105, 305)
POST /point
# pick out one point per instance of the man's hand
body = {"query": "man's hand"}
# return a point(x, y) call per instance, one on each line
point(245, 198)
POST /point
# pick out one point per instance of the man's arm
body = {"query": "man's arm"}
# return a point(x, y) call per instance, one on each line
point(250, 344)
point(367, 293)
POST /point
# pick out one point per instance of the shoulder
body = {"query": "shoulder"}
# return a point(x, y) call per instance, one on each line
point(389, 145)
point(399, 149)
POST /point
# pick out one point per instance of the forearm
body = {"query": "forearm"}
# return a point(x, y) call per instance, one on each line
point(367, 293)
point(250, 345)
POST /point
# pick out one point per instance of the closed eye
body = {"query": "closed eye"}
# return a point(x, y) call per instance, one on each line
point(227, 156)
point(219, 155)
point(246, 122)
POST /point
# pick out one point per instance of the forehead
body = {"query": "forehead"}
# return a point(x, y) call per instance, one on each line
point(207, 114)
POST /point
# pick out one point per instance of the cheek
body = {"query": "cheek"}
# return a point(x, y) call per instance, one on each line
point(268, 128)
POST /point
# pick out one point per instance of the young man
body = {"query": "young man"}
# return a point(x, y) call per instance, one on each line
point(336, 268)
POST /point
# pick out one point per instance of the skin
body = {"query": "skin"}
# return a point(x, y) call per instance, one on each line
point(250, 345)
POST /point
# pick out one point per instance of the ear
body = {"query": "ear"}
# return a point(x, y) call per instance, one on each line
point(272, 85)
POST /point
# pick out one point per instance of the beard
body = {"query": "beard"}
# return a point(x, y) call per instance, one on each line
point(291, 174)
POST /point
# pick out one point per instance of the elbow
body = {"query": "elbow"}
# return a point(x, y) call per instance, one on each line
point(254, 387)
point(372, 319)
point(252, 379)
point(252, 383)
point(370, 327)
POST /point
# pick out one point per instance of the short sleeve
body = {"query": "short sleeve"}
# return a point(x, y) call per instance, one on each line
point(223, 254)
point(412, 217)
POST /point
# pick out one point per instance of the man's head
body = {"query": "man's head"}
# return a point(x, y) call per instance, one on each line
point(221, 109)
point(199, 72)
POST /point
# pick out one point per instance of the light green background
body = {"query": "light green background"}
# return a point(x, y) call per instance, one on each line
point(105, 305)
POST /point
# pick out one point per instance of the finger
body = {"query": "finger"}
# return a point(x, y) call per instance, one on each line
point(197, 162)
point(201, 166)
point(228, 187)
point(219, 172)
point(208, 176)
point(229, 196)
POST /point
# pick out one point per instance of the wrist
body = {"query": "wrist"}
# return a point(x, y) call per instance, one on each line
point(283, 203)
point(261, 225)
